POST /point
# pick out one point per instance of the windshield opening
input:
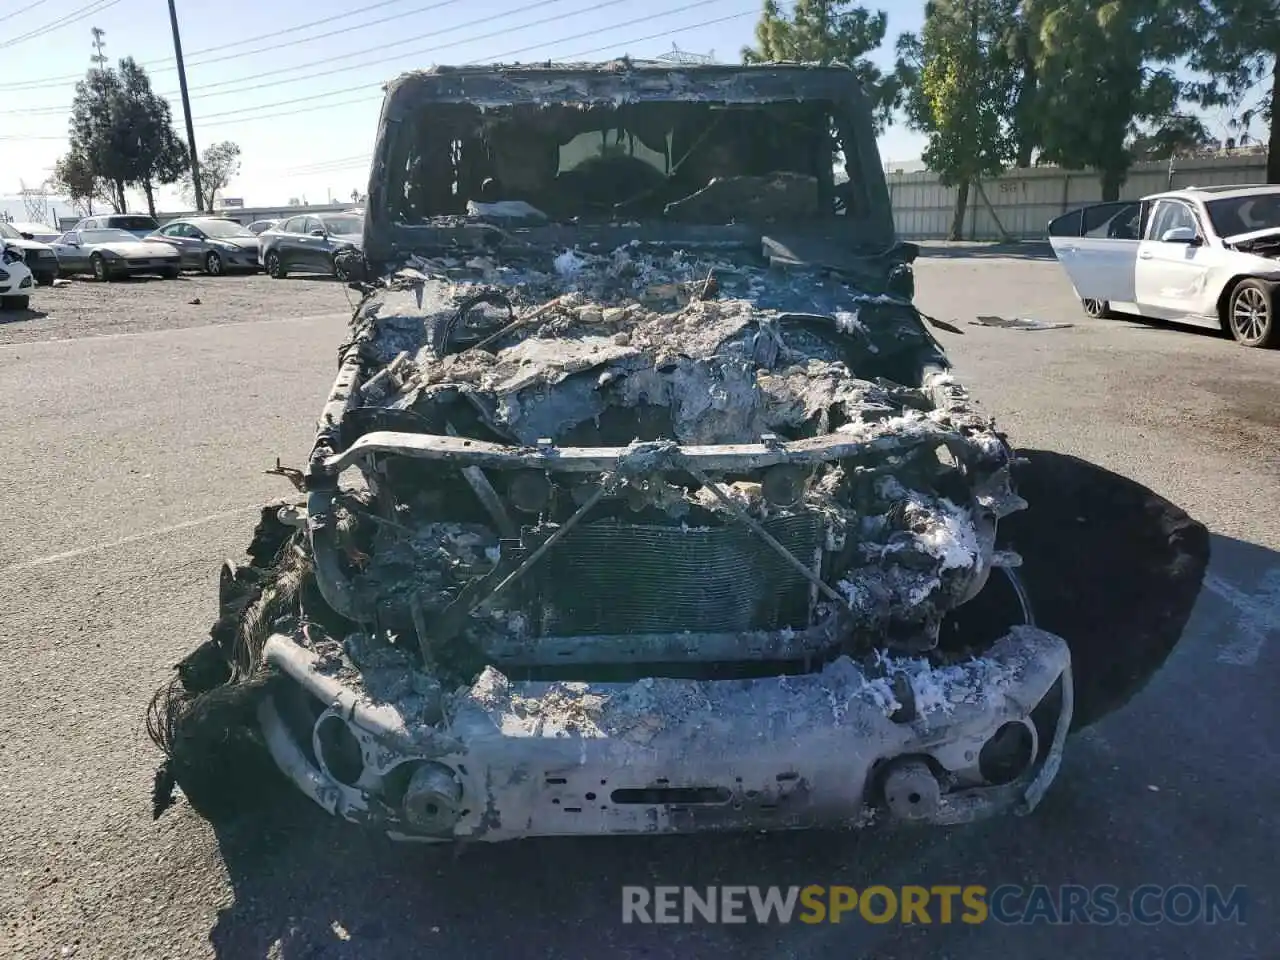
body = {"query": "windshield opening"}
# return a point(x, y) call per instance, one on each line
point(343, 225)
point(1235, 215)
point(106, 236)
point(223, 228)
point(699, 162)
point(133, 223)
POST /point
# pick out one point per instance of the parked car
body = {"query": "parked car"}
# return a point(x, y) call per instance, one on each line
point(40, 257)
point(110, 254)
point(260, 225)
point(310, 243)
point(140, 225)
point(15, 279)
point(40, 232)
point(1206, 256)
point(212, 244)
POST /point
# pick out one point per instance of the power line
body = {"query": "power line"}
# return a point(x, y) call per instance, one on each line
point(484, 36)
point(30, 6)
point(306, 26)
point(168, 64)
point(82, 13)
point(379, 61)
point(754, 11)
point(380, 48)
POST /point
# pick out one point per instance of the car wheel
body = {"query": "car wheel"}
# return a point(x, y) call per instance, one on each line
point(1099, 309)
point(1251, 313)
point(100, 271)
point(213, 264)
point(45, 279)
point(170, 273)
point(15, 303)
point(274, 265)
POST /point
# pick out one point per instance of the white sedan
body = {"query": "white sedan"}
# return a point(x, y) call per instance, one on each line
point(16, 282)
point(1207, 256)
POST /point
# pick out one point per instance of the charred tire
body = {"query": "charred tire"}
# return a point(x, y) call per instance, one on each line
point(218, 756)
point(101, 272)
point(1251, 313)
point(274, 265)
point(22, 302)
point(1099, 309)
point(1111, 567)
point(269, 536)
point(45, 279)
point(171, 273)
point(213, 264)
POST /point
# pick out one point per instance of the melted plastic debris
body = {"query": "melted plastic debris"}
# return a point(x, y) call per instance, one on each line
point(948, 535)
point(980, 682)
point(569, 264)
point(1018, 323)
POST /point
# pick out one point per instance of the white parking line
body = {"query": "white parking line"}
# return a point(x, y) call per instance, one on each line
point(124, 541)
point(1258, 617)
point(27, 344)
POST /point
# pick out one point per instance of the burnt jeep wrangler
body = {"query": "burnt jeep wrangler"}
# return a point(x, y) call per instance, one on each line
point(645, 500)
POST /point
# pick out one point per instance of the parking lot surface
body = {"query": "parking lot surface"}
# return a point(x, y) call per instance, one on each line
point(134, 463)
point(82, 307)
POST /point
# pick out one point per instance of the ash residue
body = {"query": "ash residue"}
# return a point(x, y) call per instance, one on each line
point(632, 329)
point(650, 708)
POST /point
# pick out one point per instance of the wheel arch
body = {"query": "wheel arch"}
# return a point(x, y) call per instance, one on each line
point(1224, 298)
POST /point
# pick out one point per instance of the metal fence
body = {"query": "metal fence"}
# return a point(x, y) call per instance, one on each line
point(1025, 200)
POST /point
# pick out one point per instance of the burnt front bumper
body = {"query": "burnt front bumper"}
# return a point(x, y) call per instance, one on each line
point(505, 759)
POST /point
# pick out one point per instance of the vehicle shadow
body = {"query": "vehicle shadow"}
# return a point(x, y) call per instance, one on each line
point(1150, 323)
point(1156, 790)
point(21, 316)
point(963, 250)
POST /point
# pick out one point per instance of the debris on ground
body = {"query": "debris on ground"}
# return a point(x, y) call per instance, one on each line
point(1018, 323)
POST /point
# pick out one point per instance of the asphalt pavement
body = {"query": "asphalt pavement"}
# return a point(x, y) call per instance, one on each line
point(135, 461)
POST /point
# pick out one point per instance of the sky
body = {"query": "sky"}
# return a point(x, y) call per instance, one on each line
point(298, 84)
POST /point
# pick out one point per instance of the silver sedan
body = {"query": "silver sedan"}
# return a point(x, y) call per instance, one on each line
point(110, 253)
point(215, 245)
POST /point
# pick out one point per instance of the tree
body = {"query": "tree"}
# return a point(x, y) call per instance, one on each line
point(960, 88)
point(1239, 48)
point(830, 31)
point(97, 137)
point(1022, 48)
point(219, 164)
point(158, 154)
point(1177, 136)
point(73, 178)
point(1103, 69)
point(122, 133)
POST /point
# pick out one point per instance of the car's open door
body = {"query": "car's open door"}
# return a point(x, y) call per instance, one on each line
point(1098, 248)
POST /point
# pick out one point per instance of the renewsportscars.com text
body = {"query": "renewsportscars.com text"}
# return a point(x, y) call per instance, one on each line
point(940, 904)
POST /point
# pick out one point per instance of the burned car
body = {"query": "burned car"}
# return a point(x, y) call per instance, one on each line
point(645, 500)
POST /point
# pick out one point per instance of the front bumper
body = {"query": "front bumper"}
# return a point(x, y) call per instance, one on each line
point(140, 267)
point(836, 748)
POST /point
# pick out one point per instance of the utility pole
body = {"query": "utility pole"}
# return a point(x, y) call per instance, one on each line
point(186, 109)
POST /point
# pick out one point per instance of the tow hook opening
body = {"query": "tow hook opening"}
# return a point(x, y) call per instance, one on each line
point(1009, 753)
point(911, 791)
point(433, 798)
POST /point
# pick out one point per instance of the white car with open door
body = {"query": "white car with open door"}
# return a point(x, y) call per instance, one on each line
point(1208, 256)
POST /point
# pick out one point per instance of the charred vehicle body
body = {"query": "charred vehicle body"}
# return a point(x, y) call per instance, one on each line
point(645, 500)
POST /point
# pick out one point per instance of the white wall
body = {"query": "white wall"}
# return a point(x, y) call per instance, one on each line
point(1026, 200)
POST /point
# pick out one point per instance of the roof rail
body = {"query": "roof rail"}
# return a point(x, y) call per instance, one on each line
point(1224, 187)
